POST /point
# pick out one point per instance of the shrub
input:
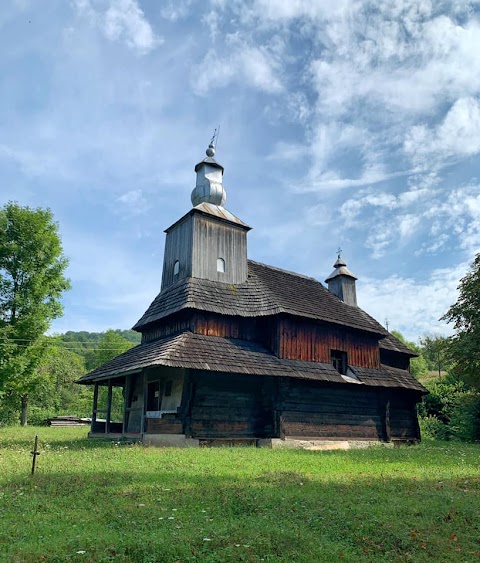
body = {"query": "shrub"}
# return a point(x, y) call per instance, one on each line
point(450, 411)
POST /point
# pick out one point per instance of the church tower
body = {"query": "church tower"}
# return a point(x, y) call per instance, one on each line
point(208, 242)
point(341, 282)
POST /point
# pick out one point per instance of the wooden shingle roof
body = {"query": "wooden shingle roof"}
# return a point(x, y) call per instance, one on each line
point(267, 291)
point(216, 354)
point(390, 342)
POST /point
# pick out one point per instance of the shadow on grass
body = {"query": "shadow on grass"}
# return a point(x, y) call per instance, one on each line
point(184, 513)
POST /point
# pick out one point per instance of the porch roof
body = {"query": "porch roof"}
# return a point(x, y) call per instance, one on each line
point(216, 354)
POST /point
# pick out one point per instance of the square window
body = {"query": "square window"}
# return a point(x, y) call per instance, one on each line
point(339, 361)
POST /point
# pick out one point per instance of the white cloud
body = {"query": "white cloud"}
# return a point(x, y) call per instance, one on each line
point(122, 20)
point(134, 202)
point(412, 306)
point(174, 10)
point(256, 66)
point(456, 136)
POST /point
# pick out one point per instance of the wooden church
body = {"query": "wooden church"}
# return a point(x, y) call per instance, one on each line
point(235, 351)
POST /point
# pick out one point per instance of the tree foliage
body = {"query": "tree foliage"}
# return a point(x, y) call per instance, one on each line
point(418, 366)
point(464, 348)
point(434, 348)
point(111, 344)
point(32, 281)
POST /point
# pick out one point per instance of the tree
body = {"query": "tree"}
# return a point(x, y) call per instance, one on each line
point(32, 281)
point(433, 347)
point(418, 366)
point(111, 344)
point(58, 372)
point(464, 348)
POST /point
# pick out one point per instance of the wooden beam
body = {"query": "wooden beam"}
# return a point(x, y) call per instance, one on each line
point(188, 390)
point(126, 393)
point(388, 434)
point(109, 407)
point(95, 406)
point(144, 410)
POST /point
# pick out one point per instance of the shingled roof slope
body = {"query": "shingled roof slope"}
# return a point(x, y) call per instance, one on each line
point(216, 354)
point(267, 291)
point(391, 342)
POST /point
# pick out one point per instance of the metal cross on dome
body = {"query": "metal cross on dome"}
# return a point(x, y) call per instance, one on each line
point(339, 252)
point(215, 135)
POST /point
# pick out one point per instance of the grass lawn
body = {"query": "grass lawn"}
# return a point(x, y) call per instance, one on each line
point(96, 501)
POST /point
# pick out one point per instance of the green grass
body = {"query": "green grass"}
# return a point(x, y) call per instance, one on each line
point(96, 501)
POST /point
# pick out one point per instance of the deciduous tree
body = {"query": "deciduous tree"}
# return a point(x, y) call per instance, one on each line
point(111, 344)
point(464, 348)
point(32, 266)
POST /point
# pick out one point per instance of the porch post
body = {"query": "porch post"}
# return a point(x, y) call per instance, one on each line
point(144, 409)
point(95, 406)
point(109, 407)
point(388, 434)
point(126, 391)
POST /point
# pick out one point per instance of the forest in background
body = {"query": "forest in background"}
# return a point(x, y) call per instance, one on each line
point(66, 357)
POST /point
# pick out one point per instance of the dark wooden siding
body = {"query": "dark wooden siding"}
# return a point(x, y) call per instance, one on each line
point(395, 359)
point(312, 410)
point(230, 407)
point(403, 418)
point(313, 342)
point(208, 324)
point(175, 324)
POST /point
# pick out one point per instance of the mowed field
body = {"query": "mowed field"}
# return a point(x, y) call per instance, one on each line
point(96, 501)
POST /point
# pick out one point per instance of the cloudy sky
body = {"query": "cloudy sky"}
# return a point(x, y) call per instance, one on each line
point(344, 123)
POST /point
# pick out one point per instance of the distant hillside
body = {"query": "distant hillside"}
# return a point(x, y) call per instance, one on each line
point(89, 340)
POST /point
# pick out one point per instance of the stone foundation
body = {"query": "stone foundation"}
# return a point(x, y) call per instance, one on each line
point(277, 443)
point(170, 440)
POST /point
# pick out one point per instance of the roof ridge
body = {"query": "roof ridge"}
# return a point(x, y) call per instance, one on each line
point(296, 274)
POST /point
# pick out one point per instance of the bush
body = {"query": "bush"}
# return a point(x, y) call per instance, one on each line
point(38, 415)
point(9, 416)
point(433, 428)
point(451, 411)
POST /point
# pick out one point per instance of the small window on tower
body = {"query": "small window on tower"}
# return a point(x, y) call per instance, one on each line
point(221, 265)
point(339, 361)
point(176, 268)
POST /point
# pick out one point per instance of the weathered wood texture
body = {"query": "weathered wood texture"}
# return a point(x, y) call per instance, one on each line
point(317, 411)
point(178, 246)
point(233, 406)
point(175, 324)
point(403, 418)
point(169, 424)
point(395, 359)
point(313, 342)
point(197, 242)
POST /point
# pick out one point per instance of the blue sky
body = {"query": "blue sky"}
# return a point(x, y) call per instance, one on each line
point(343, 123)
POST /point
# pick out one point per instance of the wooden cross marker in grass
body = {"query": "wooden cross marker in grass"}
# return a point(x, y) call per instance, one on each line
point(34, 454)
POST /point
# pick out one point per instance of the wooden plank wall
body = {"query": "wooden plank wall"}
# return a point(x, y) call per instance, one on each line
point(212, 239)
point(313, 342)
point(313, 410)
point(395, 359)
point(173, 325)
point(230, 407)
point(208, 324)
point(403, 417)
point(178, 246)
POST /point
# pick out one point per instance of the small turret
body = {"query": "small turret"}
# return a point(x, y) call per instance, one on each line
point(208, 242)
point(209, 187)
point(341, 282)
